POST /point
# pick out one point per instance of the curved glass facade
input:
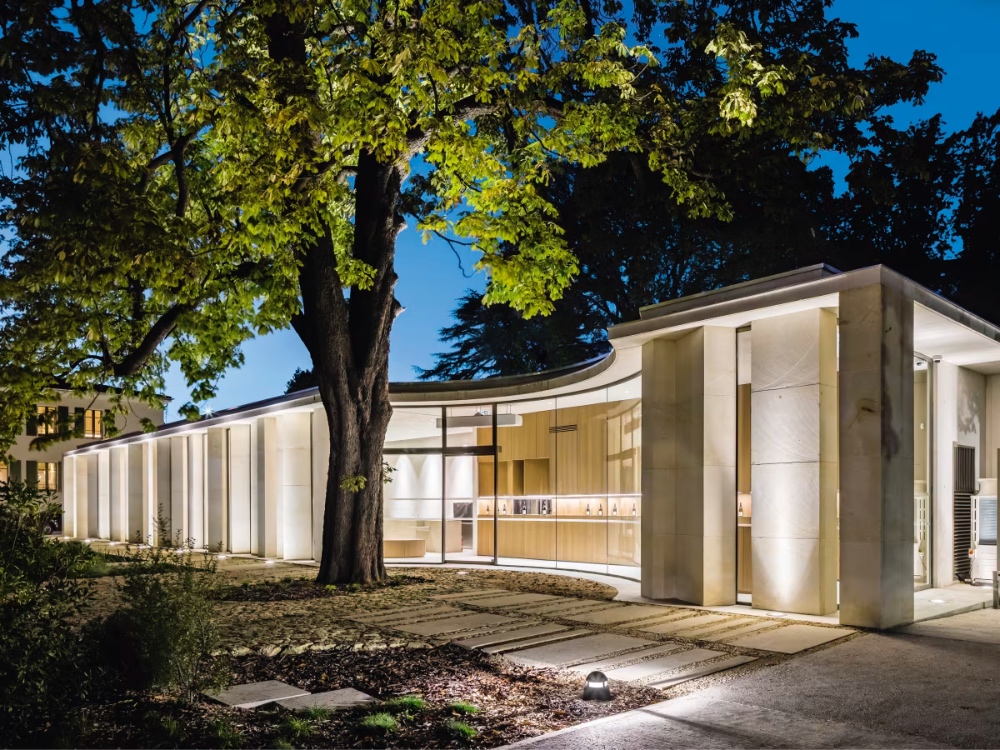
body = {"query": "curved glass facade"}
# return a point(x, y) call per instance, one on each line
point(550, 483)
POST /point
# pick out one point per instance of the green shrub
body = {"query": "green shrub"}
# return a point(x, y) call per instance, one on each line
point(297, 728)
point(226, 735)
point(462, 729)
point(161, 636)
point(461, 707)
point(46, 669)
point(381, 721)
point(316, 713)
point(406, 703)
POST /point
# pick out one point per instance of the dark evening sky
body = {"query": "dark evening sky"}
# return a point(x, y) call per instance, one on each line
point(961, 33)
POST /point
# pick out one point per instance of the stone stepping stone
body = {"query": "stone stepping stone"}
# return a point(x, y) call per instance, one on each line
point(791, 639)
point(696, 671)
point(578, 650)
point(508, 600)
point(743, 628)
point(561, 635)
point(605, 664)
point(615, 615)
point(472, 594)
point(695, 632)
point(253, 694)
point(395, 611)
point(567, 606)
point(688, 623)
point(667, 663)
point(411, 616)
point(508, 636)
point(454, 624)
point(706, 630)
point(334, 700)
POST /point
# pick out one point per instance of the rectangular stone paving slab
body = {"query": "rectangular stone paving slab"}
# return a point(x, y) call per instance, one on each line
point(717, 627)
point(470, 594)
point(588, 648)
point(696, 671)
point(615, 615)
point(413, 615)
point(334, 700)
point(687, 623)
point(667, 663)
point(560, 635)
point(454, 624)
point(507, 636)
point(506, 600)
point(743, 628)
point(253, 694)
point(566, 605)
point(791, 639)
point(605, 664)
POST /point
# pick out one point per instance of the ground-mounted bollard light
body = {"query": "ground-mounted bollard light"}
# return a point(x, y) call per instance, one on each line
point(596, 688)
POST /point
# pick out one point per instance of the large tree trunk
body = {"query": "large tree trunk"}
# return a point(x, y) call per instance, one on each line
point(348, 339)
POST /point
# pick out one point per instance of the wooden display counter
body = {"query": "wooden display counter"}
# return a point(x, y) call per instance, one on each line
point(428, 531)
point(589, 539)
point(403, 548)
point(744, 556)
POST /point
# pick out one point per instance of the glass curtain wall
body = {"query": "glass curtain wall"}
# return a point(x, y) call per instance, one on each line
point(557, 487)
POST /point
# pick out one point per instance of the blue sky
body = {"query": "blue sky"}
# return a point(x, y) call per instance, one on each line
point(962, 34)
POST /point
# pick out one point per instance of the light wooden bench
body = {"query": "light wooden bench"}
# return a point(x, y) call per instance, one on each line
point(404, 547)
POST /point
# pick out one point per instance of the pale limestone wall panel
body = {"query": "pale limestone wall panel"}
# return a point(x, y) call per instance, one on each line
point(944, 407)
point(876, 445)
point(320, 469)
point(240, 496)
point(269, 471)
point(179, 529)
point(991, 427)
point(794, 459)
point(295, 447)
point(91, 481)
point(972, 415)
point(69, 497)
point(217, 483)
point(196, 489)
point(150, 490)
point(134, 522)
point(104, 494)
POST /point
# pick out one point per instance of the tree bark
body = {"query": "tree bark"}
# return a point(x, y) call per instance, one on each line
point(348, 339)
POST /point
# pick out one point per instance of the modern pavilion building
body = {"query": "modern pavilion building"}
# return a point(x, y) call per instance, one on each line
point(803, 443)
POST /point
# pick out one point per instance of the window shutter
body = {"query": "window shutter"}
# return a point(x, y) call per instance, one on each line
point(64, 425)
point(31, 471)
point(32, 426)
point(59, 477)
point(15, 471)
point(78, 417)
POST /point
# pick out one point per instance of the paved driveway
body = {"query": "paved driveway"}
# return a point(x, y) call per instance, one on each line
point(879, 690)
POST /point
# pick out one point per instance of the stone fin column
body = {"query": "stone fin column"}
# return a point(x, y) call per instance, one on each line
point(103, 495)
point(689, 467)
point(295, 448)
point(134, 523)
point(944, 408)
point(876, 457)
point(118, 494)
point(69, 505)
point(269, 471)
point(163, 506)
point(320, 469)
point(239, 488)
point(217, 488)
point(659, 426)
point(196, 489)
point(150, 490)
point(91, 495)
point(794, 462)
point(179, 529)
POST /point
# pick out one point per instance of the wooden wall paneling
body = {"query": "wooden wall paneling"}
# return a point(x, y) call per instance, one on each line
point(583, 540)
point(743, 438)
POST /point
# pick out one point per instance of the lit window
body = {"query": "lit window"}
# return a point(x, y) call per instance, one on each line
point(48, 420)
point(92, 427)
point(47, 475)
point(3, 472)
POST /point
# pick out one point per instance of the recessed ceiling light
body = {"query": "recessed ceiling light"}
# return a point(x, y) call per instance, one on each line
point(939, 601)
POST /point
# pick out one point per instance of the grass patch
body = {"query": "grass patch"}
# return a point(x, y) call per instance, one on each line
point(381, 721)
point(315, 713)
point(406, 703)
point(297, 728)
point(462, 729)
point(461, 707)
point(226, 736)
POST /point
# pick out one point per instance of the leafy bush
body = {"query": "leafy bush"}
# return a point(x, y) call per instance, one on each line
point(161, 636)
point(44, 673)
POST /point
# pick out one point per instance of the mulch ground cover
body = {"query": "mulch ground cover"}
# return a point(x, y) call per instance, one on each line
point(298, 589)
point(508, 703)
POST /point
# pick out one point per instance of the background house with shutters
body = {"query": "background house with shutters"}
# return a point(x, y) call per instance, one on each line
point(44, 467)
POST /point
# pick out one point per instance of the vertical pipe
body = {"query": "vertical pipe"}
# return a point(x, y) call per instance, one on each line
point(444, 479)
